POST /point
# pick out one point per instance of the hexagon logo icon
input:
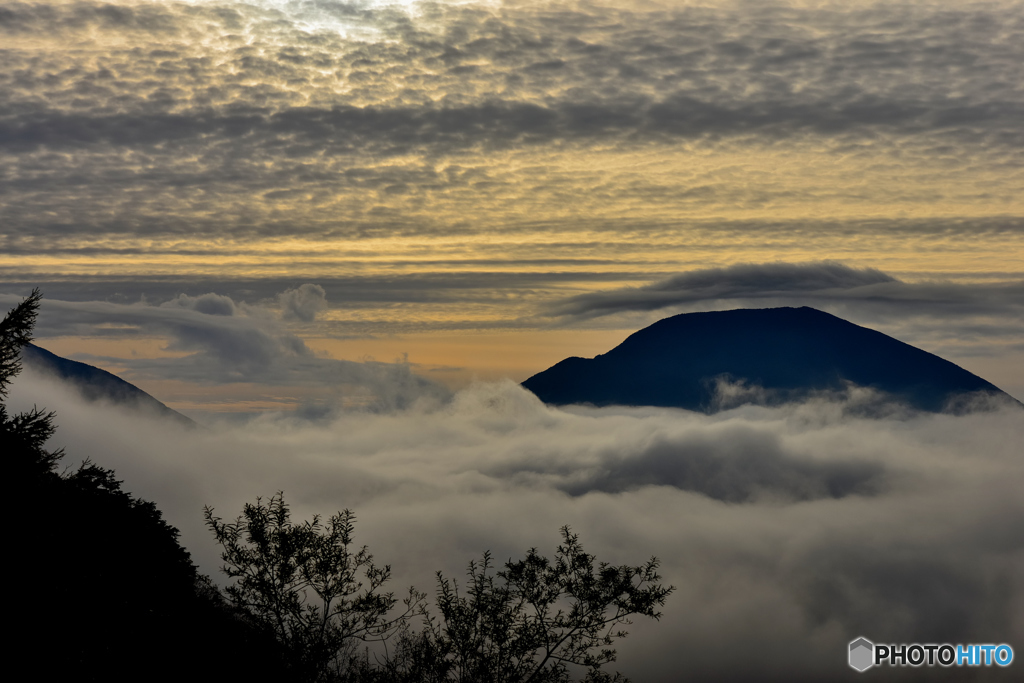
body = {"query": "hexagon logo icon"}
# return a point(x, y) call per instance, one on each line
point(862, 654)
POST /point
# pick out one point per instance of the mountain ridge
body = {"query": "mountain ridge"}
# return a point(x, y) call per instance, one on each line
point(96, 384)
point(789, 352)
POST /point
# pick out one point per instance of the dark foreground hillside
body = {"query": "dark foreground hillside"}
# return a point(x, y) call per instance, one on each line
point(789, 352)
point(99, 587)
point(111, 595)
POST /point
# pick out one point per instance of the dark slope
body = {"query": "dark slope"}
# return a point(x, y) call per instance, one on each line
point(95, 384)
point(789, 351)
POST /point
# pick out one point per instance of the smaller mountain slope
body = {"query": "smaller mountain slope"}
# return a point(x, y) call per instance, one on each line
point(791, 352)
point(95, 384)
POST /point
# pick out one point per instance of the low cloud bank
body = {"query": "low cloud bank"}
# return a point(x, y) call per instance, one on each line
point(731, 463)
point(788, 531)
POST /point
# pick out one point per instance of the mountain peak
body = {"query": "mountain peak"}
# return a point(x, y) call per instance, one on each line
point(788, 352)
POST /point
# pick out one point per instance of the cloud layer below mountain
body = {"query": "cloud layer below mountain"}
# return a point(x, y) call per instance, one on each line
point(787, 532)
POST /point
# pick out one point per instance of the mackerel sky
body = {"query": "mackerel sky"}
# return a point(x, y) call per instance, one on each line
point(490, 187)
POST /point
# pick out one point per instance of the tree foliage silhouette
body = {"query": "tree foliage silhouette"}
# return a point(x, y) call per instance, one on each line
point(112, 596)
point(24, 434)
point(303, 581)
point(535, 621)
point(536, 617)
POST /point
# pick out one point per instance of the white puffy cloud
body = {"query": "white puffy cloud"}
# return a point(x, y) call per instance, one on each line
point(208, 304)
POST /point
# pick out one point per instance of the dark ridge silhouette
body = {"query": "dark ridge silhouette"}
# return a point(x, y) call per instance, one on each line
point(95, 384)
point(790, 353)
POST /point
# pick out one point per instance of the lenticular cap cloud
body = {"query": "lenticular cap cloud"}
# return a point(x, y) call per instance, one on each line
point(825, 282)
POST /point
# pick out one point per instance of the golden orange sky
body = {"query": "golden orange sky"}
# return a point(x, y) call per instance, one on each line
point(454, 176)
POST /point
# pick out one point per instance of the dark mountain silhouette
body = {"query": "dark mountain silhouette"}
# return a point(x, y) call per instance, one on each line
point(95, 384)
point(789, 352)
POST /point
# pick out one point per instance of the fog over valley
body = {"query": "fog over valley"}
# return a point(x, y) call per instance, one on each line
point(787, 531)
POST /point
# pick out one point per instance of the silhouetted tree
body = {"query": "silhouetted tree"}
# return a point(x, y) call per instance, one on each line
point(105, 592)
point(303, 582)
point(22, 435)
point(534, 621)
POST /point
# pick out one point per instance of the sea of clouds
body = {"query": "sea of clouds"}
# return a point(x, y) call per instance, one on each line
point(786, 531)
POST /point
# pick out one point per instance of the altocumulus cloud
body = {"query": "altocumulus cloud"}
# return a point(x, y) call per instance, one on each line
point(776, 569)
point(704, 62)
point(204, 107)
